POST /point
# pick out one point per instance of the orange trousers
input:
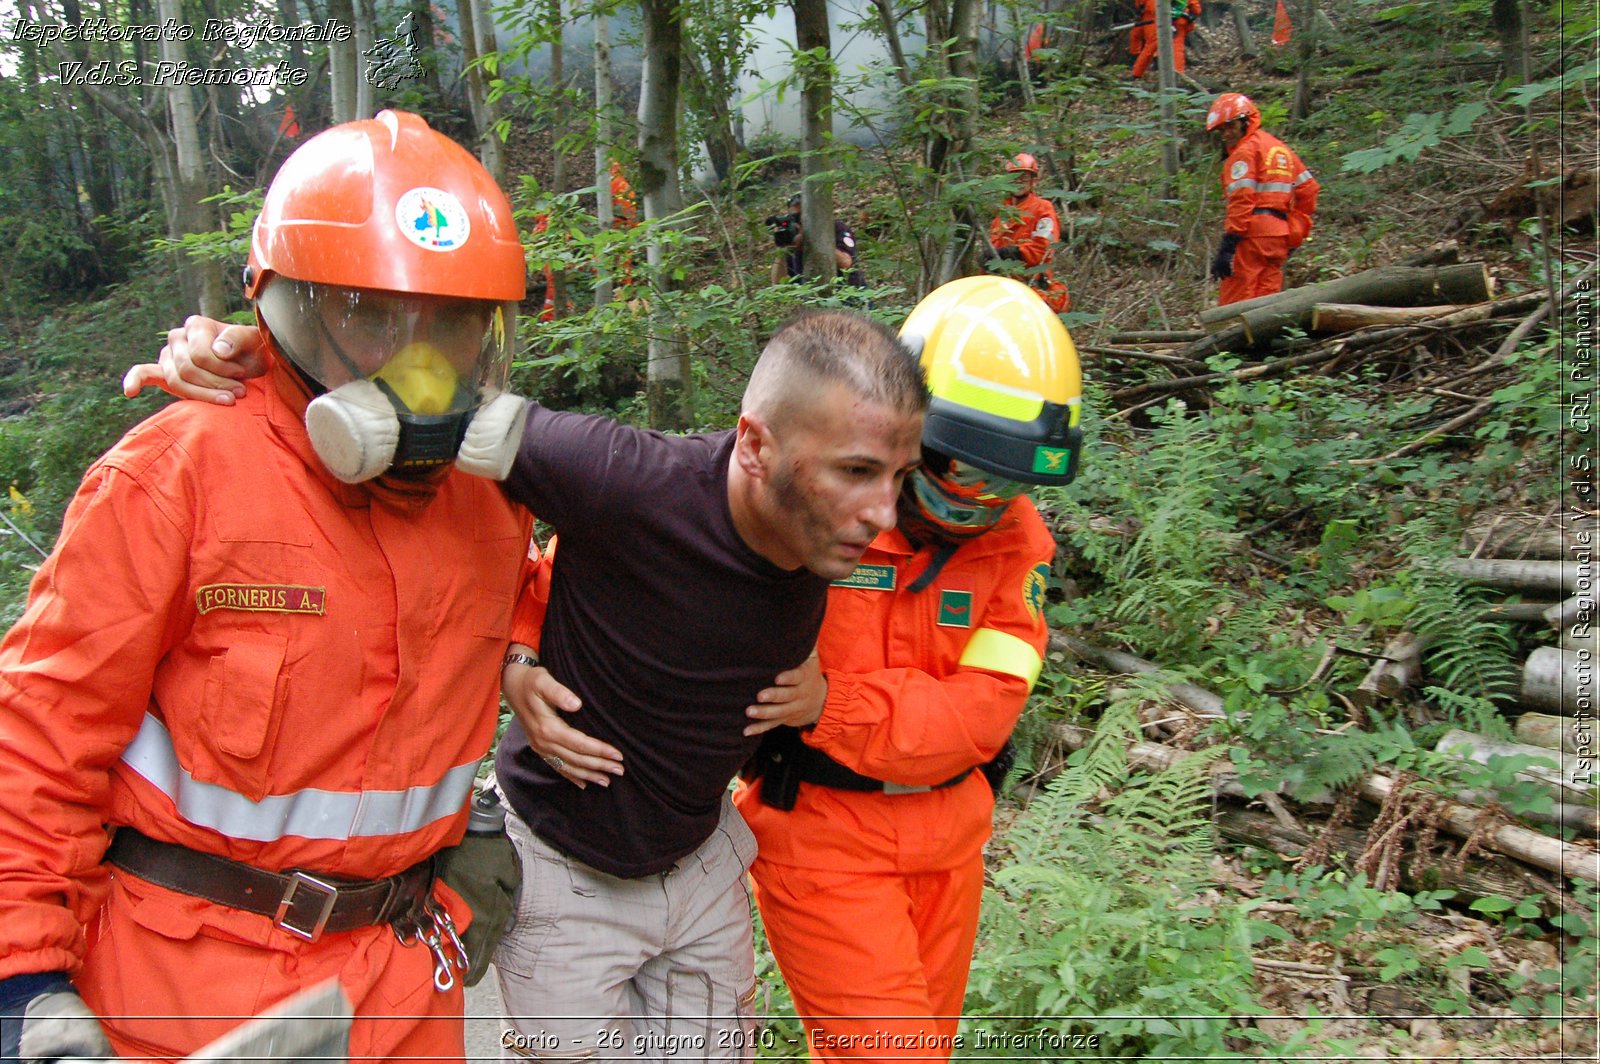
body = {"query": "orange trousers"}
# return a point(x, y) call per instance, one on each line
point(876, 962)
point(1180, 30)
point(1257, 269)
point(167, 973)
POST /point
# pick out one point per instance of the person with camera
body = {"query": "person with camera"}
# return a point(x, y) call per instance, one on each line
point(790, 241)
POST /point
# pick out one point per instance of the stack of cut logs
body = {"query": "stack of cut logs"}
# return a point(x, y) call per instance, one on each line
point(1336, 325)
point(1549, 563)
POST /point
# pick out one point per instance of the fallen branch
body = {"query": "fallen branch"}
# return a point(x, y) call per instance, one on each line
point(1459, 422)
point(1347, 317)
point(1198, 699)
point(1156, 336)
point(1478, 879)
point(1142, 356)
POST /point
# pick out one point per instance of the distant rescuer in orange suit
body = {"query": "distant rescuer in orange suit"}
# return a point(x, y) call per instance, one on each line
point(1184, 14)
point(1271, 198)
point(1026, 232)
point(871, 821)
point(265, 650)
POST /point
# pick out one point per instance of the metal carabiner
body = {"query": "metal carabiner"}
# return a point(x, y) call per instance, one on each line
point(443, 977)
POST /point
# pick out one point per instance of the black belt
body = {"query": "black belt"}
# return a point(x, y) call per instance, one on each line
point(1280, 215)
point(303, 903)
point(817, 767)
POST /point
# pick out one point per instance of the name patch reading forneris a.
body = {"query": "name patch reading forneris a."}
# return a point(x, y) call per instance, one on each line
point(261, 598)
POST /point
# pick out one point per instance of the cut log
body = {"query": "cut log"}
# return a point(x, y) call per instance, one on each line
point(1264, 317)
point(1563, 777)
point(1444, 253)
point(1392, 673)
point(1559, 680)
point(1525, 612)
point(1577, 611)
point(1553, 733)
point(1537, 577)
point(1346, 317)
point(1494, 877)
point(1520, 536)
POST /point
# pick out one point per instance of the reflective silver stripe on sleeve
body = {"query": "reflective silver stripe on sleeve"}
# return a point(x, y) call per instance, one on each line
point(308, 814)
point(1243, 182)
point(1275, 186)
point(1302, 178)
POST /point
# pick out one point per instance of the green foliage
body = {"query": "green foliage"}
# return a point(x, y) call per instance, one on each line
point(1096, 928)
point(1419, 133)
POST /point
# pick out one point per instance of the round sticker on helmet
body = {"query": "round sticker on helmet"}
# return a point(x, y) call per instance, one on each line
point(432, 218)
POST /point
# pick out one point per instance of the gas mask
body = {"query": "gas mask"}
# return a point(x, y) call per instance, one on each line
point(409, 383)
point(950, 500)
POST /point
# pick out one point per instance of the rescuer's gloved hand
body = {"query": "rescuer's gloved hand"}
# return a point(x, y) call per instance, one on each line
point(43, 1019)
point(1222, 265)
point(485, 871)
point(1010, 254)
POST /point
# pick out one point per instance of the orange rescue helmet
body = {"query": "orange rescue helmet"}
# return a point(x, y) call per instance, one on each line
point(1230, 107)
point(388, 203)
point(1023, 163)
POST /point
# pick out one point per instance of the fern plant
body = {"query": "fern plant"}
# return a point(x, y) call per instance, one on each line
point(1095, 932)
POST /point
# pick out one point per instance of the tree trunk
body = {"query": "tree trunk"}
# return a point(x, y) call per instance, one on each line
point(1241, 26)
point(366, 16)
point(1265, 317)
point(201, 280)
point(889, 24)
point(1553, 733)
point(1560, 680)
point(344, 67)
point(483, 118)
point(814, 55)
point(1536, 577)
point(1506, 15)
point(714, 114)
point(1169, 106)
point(558, 176)
point(1301, 106)
point(603, 207)
point(668, 381)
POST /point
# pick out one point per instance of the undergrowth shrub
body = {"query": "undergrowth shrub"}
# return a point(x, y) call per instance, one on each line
point(1100, 925)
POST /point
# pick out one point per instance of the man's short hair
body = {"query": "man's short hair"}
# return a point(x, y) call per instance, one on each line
point(821, 346)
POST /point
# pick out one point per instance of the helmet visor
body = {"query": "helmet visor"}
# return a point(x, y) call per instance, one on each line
point(963, 497)
point(432, 354)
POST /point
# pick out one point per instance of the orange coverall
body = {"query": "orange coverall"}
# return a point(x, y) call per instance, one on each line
point(870, 900)
point(624, 215)
point(1271, 198)
point(1032, 227)
point(232, 651)
point(1183, 19)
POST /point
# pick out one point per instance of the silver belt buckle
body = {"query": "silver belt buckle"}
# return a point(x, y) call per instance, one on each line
point(900, 788)
point(296, 881)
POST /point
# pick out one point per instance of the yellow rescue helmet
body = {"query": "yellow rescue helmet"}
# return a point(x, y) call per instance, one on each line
point(1004, 378)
